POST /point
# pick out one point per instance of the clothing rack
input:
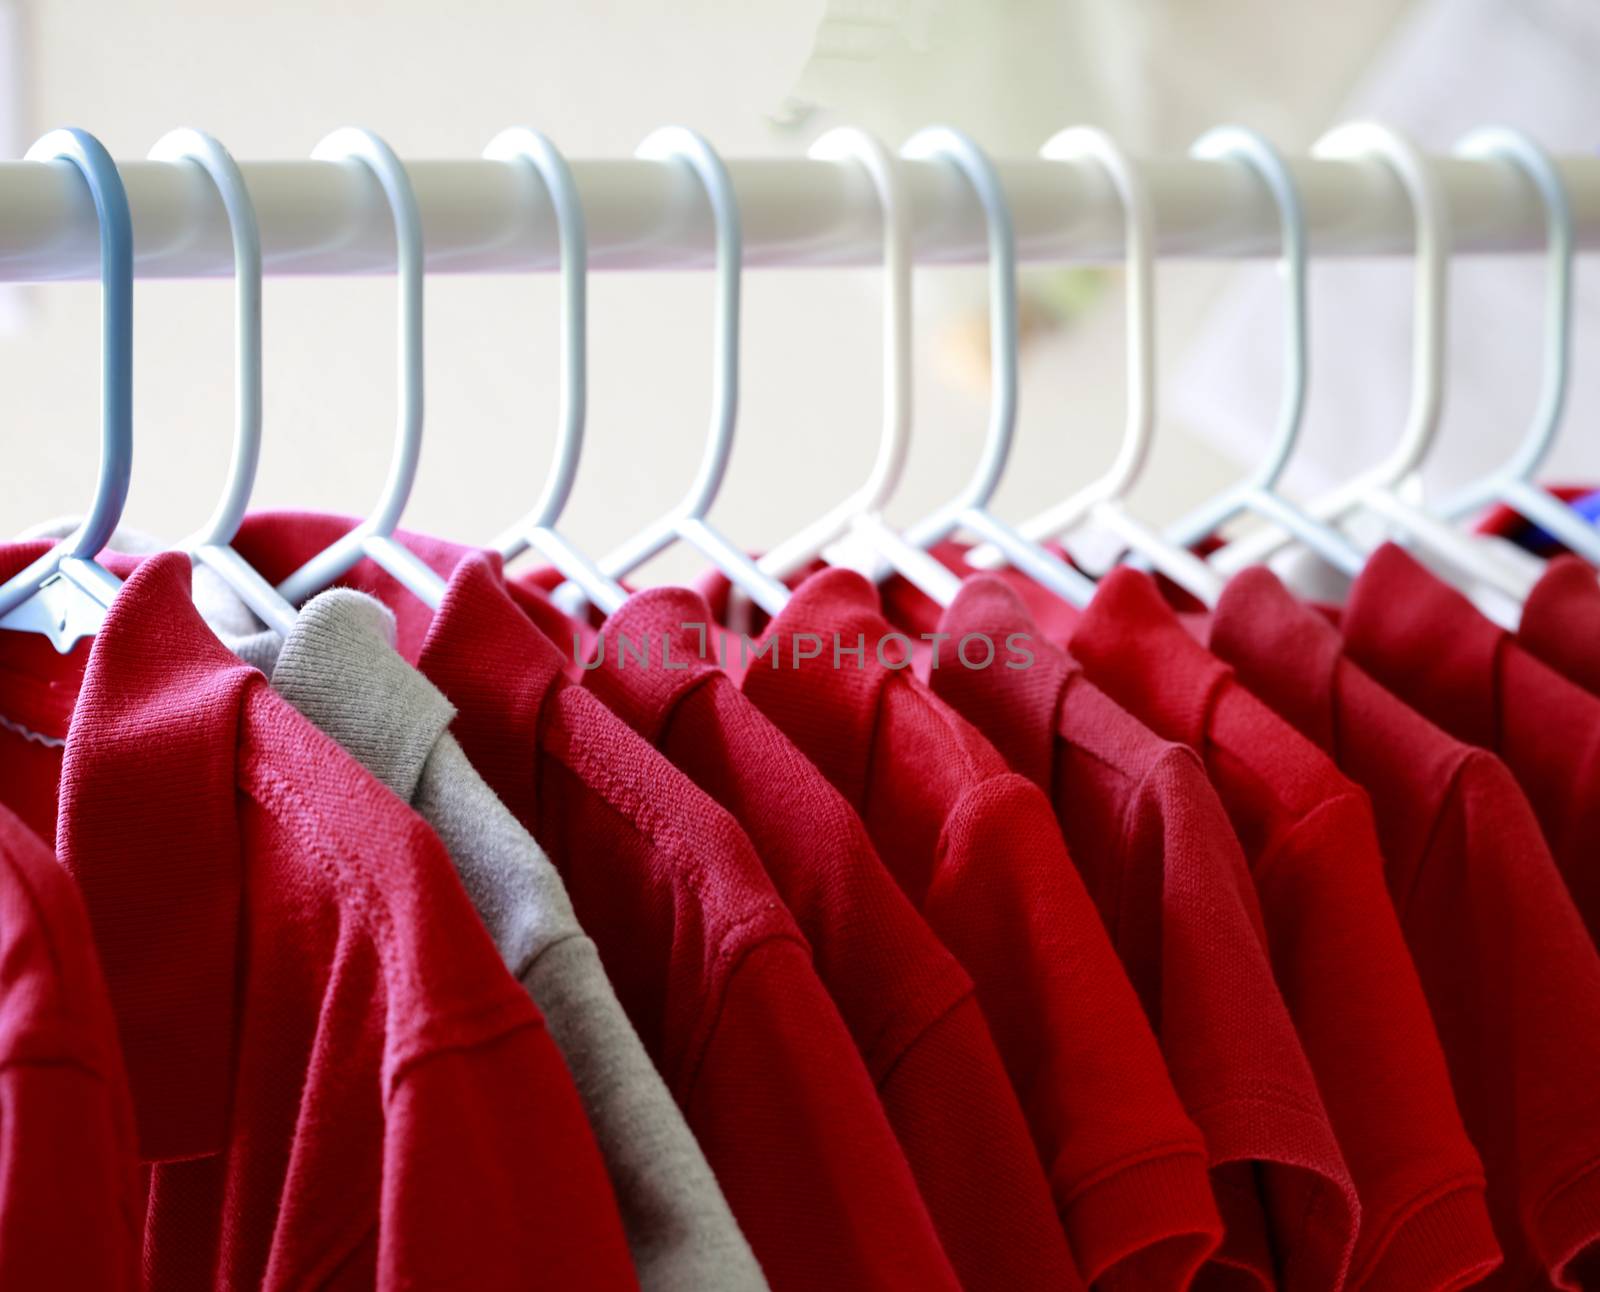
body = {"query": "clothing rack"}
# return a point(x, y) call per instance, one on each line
point(480, 216)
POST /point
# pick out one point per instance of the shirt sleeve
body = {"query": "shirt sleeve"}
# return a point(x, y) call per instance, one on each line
point(1511, 976)
point(66, 1202)
point(1127, 1166)
point(491, 1177)
point(958, 1121)
point(1353, 991)
point(786, 1113)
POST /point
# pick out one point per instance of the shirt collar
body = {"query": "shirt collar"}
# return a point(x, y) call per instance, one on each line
point(499, 705)
point(1025, 702)
point(147, 824)
point(1561, 620)
point(1283, 650)
point(277, 543)
point(1134, 647)
point(1425, 641)
point(672, 629)
point(809, 697)
point(339, 667)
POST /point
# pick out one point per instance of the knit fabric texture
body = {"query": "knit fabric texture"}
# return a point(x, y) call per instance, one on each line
point(339, 668)
point(334, 1078)
point(707, 962)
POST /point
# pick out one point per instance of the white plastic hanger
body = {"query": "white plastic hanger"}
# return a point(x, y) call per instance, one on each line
point(210, 544)
point(537, 529)
point(970, 509)
point(374, 537)
point(848, 142)
point(687, 521)
point(1377, 490)
point(1513, 483)
point(1101, 501)
point(1255, 492)
point(64, 594)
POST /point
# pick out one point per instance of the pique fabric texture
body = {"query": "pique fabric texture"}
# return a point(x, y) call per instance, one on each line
point(709, 965)
point(71, 1205)
point(335, 1081)
point(910, 1007)
point(976, 849)
point(1337, 949)
point(1158, 856)
point(1512, 980)
point(1424, 641)
point(339, 668)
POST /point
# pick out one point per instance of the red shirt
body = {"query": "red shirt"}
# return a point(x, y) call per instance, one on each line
point(1561, 621)
point(1425, 642)
point(71, 1208)
point(1512, 980)
point(977, 851)
point(1340, 959)
point(709, 965)
point(910, 1007)
point(1159, 858)
point(335, 1080)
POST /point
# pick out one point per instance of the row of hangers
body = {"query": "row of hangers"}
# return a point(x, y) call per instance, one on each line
point(66, 592)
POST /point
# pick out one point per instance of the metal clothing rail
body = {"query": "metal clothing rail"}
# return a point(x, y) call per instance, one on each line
point(330, 217)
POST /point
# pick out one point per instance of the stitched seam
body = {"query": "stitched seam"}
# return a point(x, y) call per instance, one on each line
point(527, 966)
point(690, 865)
point(403, 1068)
point(1466, 1182)
point(922, 1033)
point(1272, 856)
point(358, 891)
point(1169, 1151)
point(1568, 1181)
point(1452, 793)
point(694, 1059)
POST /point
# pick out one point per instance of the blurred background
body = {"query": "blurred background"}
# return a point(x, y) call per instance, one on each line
point(764, 78)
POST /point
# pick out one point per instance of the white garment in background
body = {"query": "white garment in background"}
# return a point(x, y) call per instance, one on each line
point(1452, 66)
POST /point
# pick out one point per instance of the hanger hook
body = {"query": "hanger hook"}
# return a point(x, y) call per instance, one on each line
point(100, 173)
point(954, 146)
point(690, 148)
point(1361, 140)
point(354, 143)
point(74, 555)
point(524, 146)
point(869, 152)
point(687, 521)
point(1073, 144)
point(530, 146)
point(198, 148)
point(1504, 143)
point(850, 143)
point(1239, 143)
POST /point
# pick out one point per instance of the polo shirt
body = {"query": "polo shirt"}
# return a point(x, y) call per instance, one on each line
point(1159, 858)
point(706, 960)
point(1512, 980)
point(1561, 621)
point(1501, 521)
point(334, 1078)
point(1423, 640)
point(71, 1210)
point(1337, 951)
point(910, 1007)
point(338, 666)
point(976, 849)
